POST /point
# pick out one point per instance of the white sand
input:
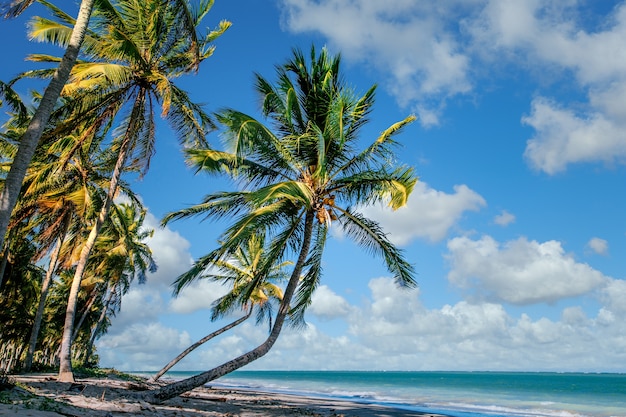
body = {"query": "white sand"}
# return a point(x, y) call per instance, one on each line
point(43, 396)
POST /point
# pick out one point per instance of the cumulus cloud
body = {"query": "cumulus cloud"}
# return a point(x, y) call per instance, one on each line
point(136, 326)
point(142, 346)
point(327, 304)
point(408, 41)
point(197, 296)
point(170, 251)
point(520, 271)
point(563, 137)
point(429, 214)
point(426, 54)
point(598, 246)
point(548, 35)
point(145, 302)
point(614, 296)
point(504, 219)
point(392, 329)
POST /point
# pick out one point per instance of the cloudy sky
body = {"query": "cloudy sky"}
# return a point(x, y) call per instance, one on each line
point(517, 228)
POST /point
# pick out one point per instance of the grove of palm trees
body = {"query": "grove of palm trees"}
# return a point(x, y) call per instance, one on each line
point(75, 238)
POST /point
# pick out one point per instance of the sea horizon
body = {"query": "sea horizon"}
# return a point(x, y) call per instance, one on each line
point(453, 393)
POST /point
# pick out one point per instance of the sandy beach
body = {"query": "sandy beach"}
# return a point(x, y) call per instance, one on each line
point(40, 395)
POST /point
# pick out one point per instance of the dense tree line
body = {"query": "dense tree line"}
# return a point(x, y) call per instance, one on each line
point(75, 238)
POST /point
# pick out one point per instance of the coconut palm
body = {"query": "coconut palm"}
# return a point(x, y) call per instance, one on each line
point(32, 135)
point(239, 272)
point(134, 52)
point(63, 190)
point(17, 298)
point(121, 256)
point(298, 175)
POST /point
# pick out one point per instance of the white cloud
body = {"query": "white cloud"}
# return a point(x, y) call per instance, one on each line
point(547, 35)
point(563, 137)
point(429, 214)
point(393, 330)
point(504, 219)
point(142, 303)
point(614, 296)
point(426, 54)
point(170, 251)
point(599, 246)
point(328, 305)
point(142, 346)
point(520, 271)
point(199, 295)
point(408, 41)
point(146, 302)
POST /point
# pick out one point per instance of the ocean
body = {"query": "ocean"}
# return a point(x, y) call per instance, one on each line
point(457, 394)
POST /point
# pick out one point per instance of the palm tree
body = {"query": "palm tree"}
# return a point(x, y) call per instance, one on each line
point(122, 255)
point(17, 298)
point(30, 139)
point(60, 195)
point(299, 176)
point(133, 53)
point(239, 272)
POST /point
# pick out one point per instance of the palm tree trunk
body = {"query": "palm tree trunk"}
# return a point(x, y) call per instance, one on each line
point(45, 286)
point(199, 343)
point(179, 387)
point(3, 264)
point(103, 314)
point(65, 356)
point(83, 316)
point(30, 139)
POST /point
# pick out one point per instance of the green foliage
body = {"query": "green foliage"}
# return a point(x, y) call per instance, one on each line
point(305, 163)
point(95, 372)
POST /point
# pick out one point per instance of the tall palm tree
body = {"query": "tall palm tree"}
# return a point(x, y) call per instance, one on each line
point(239, 272)
point(30, 139)
point(299, 175)
point(134, 52)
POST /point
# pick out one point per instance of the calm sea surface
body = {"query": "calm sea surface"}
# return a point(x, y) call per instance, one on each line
point(462, 394)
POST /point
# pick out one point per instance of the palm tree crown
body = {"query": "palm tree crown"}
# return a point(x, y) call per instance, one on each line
point(306, 163)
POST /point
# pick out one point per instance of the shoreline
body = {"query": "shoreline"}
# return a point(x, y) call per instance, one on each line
point(40, 395)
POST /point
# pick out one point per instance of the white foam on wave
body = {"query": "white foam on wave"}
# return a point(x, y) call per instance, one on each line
point(503, 410)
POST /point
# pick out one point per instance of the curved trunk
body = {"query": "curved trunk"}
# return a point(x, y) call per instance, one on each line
point(179, 387)
point(45, 286)
point(199, 343)
point(30, 139)
point(65, 364)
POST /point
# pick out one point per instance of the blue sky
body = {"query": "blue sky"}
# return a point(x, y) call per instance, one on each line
point(516, 229)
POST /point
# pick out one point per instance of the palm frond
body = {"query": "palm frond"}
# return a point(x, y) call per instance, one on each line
point(9, 98)
point(368, 234)
point(15, 8)
point(311, 278)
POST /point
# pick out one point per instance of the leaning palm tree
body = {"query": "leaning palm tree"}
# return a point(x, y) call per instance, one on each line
point(134, 52)
point(298, 176)
point(239, 272)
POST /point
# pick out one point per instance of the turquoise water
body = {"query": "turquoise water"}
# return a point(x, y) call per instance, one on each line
point(462, 394)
